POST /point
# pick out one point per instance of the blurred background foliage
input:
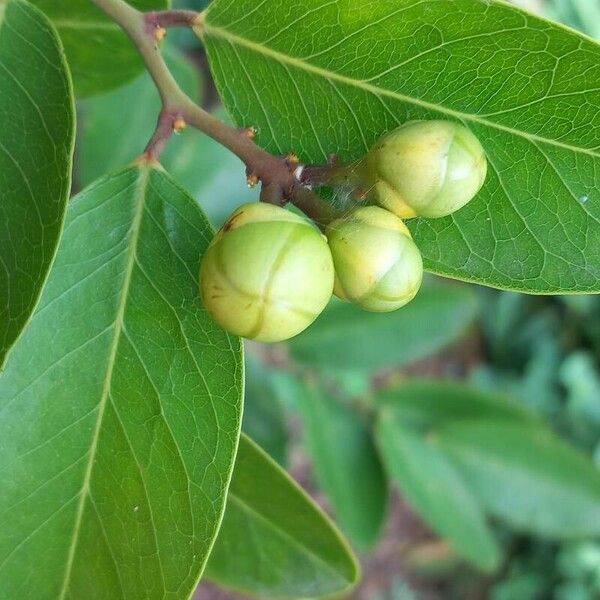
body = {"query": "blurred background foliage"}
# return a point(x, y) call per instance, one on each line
point(456, 441)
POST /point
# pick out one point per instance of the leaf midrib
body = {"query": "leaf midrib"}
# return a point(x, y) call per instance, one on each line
point(308, 67)
point(140, 193)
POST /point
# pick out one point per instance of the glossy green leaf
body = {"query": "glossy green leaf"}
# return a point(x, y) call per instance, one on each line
point(274, 541)
point(100, 56)
point(434, 403)
point(436, 489)
point(36, 145)
point(264, 417)
point(347, 337)
point(346, 464)
point(527, 476)
point(120, 407)
point(335, 75)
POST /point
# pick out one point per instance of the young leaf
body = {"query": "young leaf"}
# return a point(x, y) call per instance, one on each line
point(432, 403)
point(527, 476)
point(336, 75)
point(346, 463)
point(274, 541)
point(37, 131)
point(346, 337)
point(436, 489)
point(120, 407)
point(100, 56)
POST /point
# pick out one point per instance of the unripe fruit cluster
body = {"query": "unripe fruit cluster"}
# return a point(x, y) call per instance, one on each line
point(268, 273)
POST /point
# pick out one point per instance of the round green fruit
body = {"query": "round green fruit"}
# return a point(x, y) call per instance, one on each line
point(267, 274)
point(426, 168)
point(377, 264)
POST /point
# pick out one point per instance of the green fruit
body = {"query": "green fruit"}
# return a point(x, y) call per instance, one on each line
point(267, 274)
point(377, 264)
point(426, 169)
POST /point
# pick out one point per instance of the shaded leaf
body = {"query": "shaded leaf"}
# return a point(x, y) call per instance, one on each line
point(526, 87)
point(432, 403)
point(579, 375)
point(527, 476)
point(346, 464)
point(264, 418)
point(111, 139)
point(517, 468)
point(347, 337)
point(100, 56)
point(274, 541)
point(436, 489)
point(120, 406)
point(36, 145)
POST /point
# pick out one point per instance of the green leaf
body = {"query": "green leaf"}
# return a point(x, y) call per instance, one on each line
point(346, 464)
point(436, 489)
point(518, 469)
point(100, 56)
point(346, 337)
point(120, 407)
point(527, 476)
point(336, 75)
point(264, 418)
point(36, 145)
point(274, 541)
point(431, 403)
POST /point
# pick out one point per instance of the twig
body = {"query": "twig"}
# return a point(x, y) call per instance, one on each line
point(276, 173)
point(171, 18)
point(167, 124)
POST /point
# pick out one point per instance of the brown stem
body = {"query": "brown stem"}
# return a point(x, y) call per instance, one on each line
point(310, 204)
point(277, 173)
point(171, 18)
point(166, 125)
point(273, 194)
